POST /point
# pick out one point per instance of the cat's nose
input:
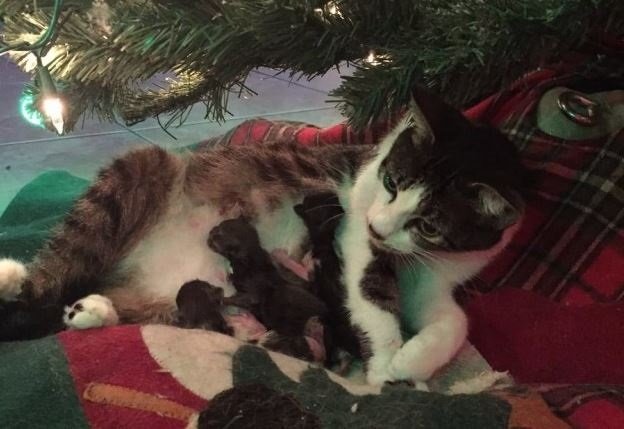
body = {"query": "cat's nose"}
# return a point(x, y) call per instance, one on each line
point(373, 233)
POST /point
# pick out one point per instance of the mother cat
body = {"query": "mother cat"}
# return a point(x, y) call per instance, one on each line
point(438, 192)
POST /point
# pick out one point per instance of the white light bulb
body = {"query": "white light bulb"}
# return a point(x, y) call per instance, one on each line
point(372, 59)
point(330, 7)
point(53, 108)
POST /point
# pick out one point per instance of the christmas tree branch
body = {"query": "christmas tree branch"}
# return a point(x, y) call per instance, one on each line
point(465, 49)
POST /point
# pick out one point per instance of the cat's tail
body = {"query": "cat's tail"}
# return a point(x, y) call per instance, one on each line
point(17, 319)
point(126, 199)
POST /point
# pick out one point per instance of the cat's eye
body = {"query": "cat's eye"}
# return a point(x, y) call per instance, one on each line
point(389, 184)
point(426, 229)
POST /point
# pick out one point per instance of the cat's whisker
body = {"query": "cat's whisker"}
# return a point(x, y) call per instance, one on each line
point(325, 206)
point(432, 261)
point(420, 258)
point(415, 262)
point(331, 218)
point(428, 254)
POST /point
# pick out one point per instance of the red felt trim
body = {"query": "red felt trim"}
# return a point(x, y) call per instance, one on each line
point(118, 356)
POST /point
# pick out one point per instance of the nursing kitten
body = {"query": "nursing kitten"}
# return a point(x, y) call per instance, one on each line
point(438, 191)
point(199, 306)
point(290, 312)
point(322, 214)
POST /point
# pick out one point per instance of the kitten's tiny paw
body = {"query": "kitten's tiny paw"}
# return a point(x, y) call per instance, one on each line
point(12, 276)
point(93, 311)
point(245, 326)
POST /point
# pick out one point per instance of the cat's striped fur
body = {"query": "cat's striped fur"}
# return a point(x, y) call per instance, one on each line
point(132, 195)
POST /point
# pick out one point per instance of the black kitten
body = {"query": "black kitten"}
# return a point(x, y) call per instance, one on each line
point(322, 214)
point(288, 310)
point(199, 304)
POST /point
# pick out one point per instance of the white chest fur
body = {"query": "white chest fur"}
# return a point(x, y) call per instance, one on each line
point(176, 251)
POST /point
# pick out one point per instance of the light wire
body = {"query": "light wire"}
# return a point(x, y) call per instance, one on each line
point(44, 39)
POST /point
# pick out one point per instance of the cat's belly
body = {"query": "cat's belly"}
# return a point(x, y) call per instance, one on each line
point(175, 251)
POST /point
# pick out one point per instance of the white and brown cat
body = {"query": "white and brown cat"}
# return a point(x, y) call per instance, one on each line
point(438, 195)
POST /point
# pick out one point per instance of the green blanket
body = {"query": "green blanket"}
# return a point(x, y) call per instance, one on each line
point(36, 208)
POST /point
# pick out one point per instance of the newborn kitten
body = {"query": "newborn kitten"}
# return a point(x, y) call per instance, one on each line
point(322, 214)
point(199, 306)
point(293, 313)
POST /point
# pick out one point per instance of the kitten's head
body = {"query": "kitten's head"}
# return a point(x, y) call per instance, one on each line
point(235, 239)
point(321, 214)
point(443, 184)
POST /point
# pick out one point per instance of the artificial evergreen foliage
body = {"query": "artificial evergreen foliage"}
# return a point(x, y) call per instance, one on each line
point(111, 58)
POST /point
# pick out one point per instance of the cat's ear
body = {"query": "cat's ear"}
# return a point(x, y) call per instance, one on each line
point(431, 116)
point(421, 130)
point(489, 202)
point(299, 209)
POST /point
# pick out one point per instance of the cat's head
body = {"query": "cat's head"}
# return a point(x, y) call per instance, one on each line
point(442, 185)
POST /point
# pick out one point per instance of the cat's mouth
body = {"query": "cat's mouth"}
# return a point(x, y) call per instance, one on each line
point(380, 245)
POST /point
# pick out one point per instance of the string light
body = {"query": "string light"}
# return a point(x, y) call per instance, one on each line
point(54, 110)
point(372, 59)
point(50, 104)
point(330, 7)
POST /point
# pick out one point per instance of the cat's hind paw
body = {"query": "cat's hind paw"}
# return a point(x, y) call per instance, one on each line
point(12, 276)
point(93, 311)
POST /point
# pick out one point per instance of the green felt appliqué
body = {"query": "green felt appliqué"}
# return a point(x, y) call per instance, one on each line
point(36, 208)
point(397, 407)
point(36, 388)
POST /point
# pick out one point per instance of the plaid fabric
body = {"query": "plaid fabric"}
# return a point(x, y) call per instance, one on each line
point(261, 130)
point(570, 247)
point(587, 406)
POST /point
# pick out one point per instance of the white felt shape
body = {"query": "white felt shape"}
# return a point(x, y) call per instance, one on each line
point(202, 360)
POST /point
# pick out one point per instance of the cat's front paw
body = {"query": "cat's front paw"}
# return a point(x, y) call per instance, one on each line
point(12, 276)
point(414, 361)
point(93, 311)
point(378, 372)
point(379, 377)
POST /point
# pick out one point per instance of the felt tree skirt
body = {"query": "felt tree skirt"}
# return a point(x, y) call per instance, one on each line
point(164, 377)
